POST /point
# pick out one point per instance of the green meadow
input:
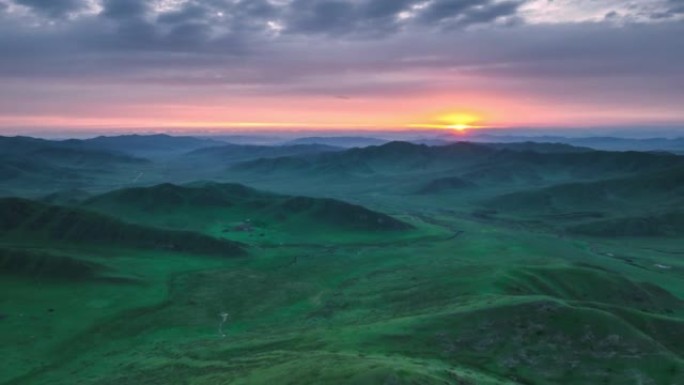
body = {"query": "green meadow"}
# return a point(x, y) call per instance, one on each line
point(395, 264)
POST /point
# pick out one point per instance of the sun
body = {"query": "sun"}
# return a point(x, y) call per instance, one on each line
point(460, 127)
point(459, 121)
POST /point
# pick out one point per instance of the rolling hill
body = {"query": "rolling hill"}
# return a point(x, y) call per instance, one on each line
point(234, 153)
point(448, 184)
point(23, 221)
point(33, 167)
point(45, 265)
point(668, 225)
point(571, 275)
point(339, 141)
point(406, 158)
point(400, 168)
point(633, 194)
point(221, 209)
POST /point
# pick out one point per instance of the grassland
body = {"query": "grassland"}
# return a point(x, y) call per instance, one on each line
point(467, 283)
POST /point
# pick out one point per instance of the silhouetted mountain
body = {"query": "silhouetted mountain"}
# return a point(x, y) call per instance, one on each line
point(144, 145)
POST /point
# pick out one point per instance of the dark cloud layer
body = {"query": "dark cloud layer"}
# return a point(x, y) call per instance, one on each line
point(54, 8)
point(124, 9)
point(467, 12)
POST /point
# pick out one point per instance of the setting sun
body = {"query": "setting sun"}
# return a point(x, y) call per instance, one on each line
point(457, 121)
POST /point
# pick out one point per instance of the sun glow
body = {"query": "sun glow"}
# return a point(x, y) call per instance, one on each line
point(457, 121)
point(460, 127)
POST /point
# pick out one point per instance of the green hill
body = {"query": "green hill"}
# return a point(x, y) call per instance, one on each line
point(627, 194)
point(23, 221)
point(221, 209)
point(449, 184)
point(664, 225)
point(234, 153)
point(407, 168)
point(73, 153)
point(591, 286)
point(16, 171)
point(501, 264)
point(44, 265)
point(390, 158)
point(100, 160)
point(34, 167)
point(66, 197)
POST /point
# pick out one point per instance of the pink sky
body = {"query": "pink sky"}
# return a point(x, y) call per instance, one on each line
point(191, 66)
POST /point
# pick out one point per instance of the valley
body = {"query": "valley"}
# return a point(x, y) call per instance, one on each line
point(178, 260)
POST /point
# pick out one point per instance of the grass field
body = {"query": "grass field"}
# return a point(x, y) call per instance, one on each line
point(432, 289)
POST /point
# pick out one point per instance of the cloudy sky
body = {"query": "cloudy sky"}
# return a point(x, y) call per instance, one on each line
point(267, 64)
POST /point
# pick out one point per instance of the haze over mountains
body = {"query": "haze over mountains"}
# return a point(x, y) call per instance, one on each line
point(340, 260)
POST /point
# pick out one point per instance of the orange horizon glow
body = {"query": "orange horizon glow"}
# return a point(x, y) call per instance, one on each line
point(460, 121)
point(429, 111)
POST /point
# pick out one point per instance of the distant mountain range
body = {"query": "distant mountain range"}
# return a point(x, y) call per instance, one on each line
point(588, 190)
point(339, 141)
point(675, 145)
point(489, 163)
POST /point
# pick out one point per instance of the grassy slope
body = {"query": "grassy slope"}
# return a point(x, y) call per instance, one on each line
point(491, 306)
point(474, 162)
point(637, 206)
point(25, 222)
point(85, 267)
point(222, 209)
point(476, 302)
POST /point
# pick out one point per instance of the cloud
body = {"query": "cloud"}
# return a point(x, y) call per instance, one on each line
point(339, 18)
point(53, 8)
point(189, 12)
point(125, 9)
point(675, 8)
point(377, 18)
point(439, 10)
point(374, 48)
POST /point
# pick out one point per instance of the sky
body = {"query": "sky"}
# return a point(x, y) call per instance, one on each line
point(250, 65)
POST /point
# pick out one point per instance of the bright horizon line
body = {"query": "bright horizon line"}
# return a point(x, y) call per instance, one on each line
point(624, 131)
point(255, 126)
